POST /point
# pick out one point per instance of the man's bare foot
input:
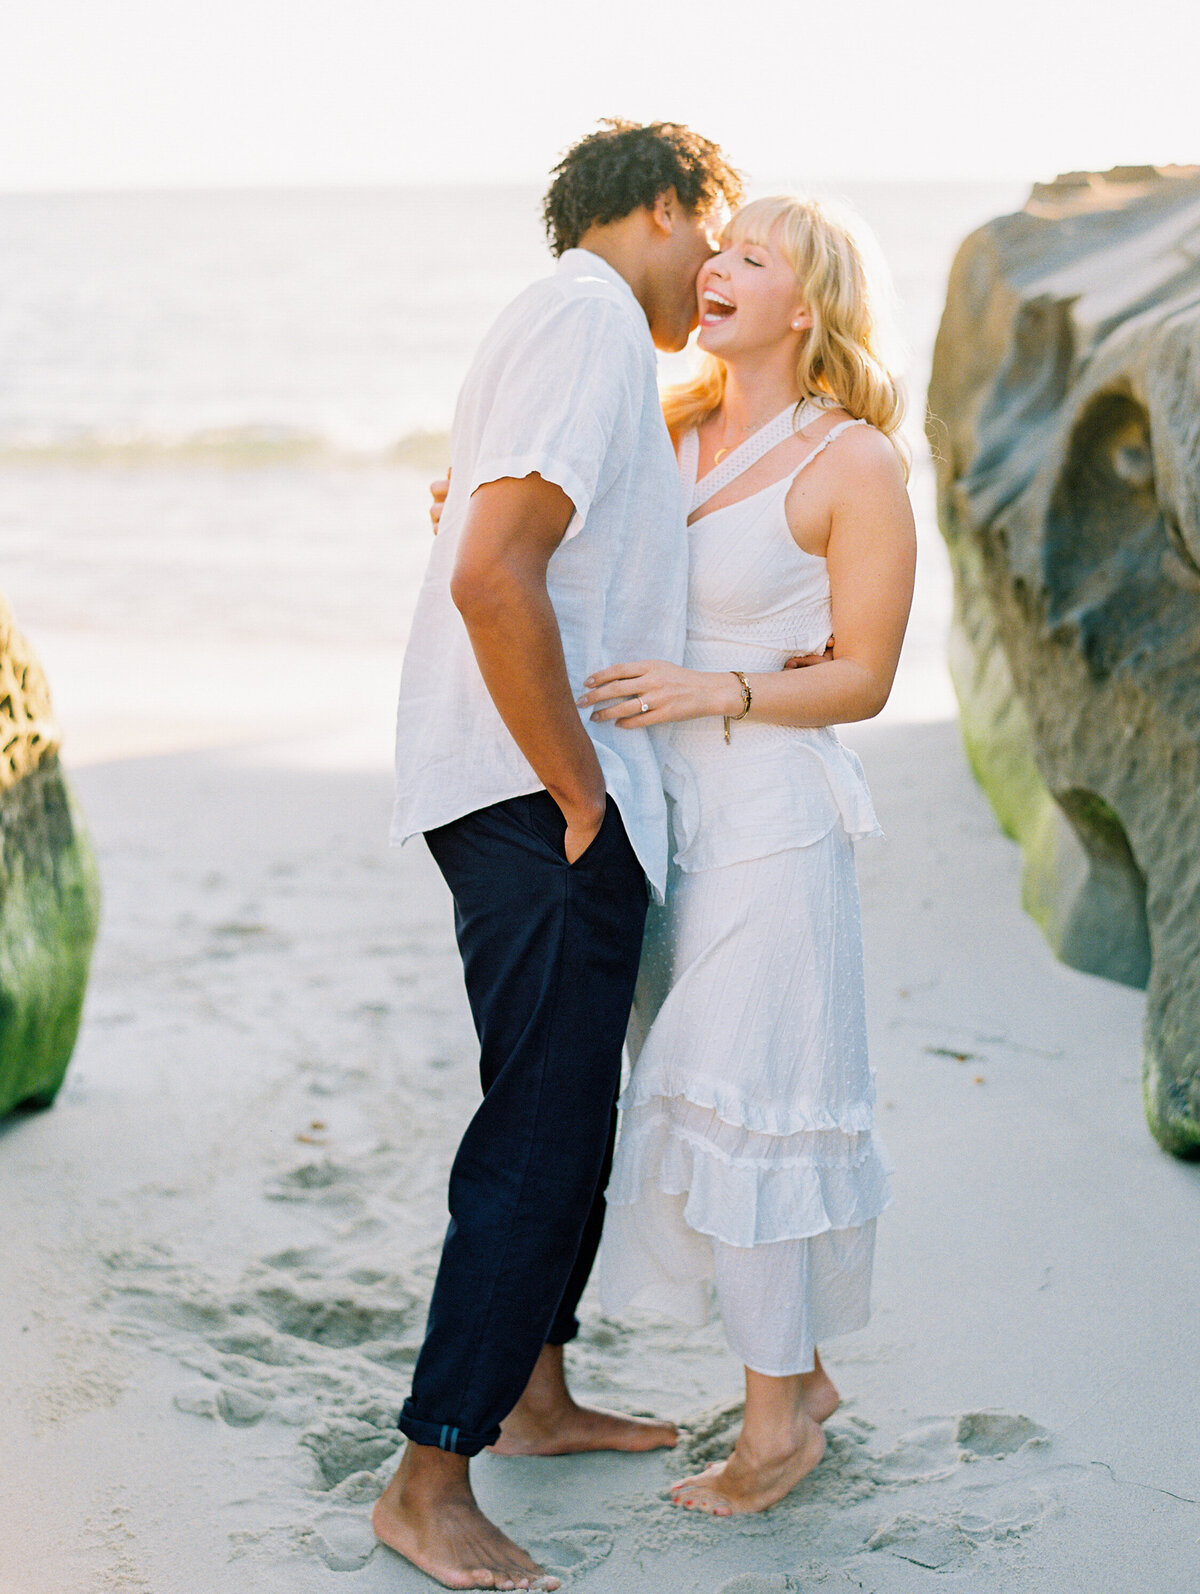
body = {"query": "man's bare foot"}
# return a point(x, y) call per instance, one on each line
point(572, 1429)
point(547, 1422)
point(428, 1515)
point(749, 1482)
point(819, 1392)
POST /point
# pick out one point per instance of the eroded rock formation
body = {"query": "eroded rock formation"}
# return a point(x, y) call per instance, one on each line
point(1065, 417)
point(49, 892)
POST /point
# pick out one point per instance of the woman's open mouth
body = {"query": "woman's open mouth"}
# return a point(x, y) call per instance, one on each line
point(715, 308)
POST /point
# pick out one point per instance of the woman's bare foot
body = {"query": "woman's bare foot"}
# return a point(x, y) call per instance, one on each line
point(751, 1481)
point(547, 1422)
point(781, 1442)
point(819, 1392)
point(428, 1515)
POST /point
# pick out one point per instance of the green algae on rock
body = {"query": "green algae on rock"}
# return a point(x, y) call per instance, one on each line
point(49, 887)
point(1065, 419)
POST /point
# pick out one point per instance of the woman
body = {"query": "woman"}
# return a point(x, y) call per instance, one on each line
point(746, 1165)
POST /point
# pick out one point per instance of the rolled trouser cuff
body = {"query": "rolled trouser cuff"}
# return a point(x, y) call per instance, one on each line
point(444, 1435)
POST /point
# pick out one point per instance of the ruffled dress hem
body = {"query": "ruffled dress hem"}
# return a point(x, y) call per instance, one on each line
point(810, 1184)
point(738, 1114)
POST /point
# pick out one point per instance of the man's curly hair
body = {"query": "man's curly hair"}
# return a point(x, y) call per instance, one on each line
point(624, 166)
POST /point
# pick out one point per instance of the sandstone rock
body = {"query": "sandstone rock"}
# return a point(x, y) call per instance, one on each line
point(49, 891)
point(1065, 419)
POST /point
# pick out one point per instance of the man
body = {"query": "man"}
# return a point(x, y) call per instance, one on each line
point(562, 546)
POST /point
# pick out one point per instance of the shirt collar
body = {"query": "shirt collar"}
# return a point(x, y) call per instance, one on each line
point(583, 263)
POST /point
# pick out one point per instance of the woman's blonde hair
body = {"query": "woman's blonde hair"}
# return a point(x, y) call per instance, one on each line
point(841, 356)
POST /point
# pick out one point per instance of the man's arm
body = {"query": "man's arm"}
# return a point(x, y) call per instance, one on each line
point(499, 587)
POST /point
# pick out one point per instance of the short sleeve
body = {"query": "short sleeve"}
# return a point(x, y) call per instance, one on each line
point(562, 401)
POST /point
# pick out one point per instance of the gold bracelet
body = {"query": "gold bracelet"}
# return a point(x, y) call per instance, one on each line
point(746, 701)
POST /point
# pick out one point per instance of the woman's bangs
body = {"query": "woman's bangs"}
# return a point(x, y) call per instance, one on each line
point(754, 223)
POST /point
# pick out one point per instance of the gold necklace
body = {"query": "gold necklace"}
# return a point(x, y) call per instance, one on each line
point(755, 426)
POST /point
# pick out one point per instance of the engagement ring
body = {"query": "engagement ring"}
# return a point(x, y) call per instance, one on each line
point(645, 707)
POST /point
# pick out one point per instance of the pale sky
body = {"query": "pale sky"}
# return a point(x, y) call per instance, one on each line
point(133, 93)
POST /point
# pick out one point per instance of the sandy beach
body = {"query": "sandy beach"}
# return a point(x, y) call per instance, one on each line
point(218, 1244)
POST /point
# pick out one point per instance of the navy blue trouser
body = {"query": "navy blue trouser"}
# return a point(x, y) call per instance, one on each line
point(550, 953)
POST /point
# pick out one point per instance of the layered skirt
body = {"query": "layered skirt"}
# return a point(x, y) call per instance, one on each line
point(747, 1175)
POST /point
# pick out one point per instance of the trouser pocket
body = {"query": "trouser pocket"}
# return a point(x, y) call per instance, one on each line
point(545, 818)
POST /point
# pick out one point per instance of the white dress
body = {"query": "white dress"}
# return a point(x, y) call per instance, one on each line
point(746, 1166)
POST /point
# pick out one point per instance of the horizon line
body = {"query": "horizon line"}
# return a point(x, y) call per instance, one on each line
point(424, 185)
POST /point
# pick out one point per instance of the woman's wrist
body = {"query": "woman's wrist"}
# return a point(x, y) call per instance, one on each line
point(727, 696)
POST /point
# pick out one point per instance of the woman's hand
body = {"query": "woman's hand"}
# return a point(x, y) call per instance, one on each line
point(802, 661)
point(438, 491)
point(653, 692)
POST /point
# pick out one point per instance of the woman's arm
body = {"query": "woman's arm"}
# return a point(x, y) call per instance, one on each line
point(871, 561)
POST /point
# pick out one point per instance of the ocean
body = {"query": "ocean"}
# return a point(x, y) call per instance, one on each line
point(219, 410)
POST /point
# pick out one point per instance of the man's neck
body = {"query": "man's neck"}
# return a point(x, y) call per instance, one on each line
point(625, 251)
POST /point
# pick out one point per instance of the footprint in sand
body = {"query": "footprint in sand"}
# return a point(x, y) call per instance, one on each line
point(944, 1493)
point(945, 1543)
point(377, 1328)
point(937, 1450)
point(342, 1539)
point(709, 1437)
point(939, 1546)
point(329, 1183)
point(240, 1408)
point(575, 1551)
point(996, 1434)
point(352, 1443)
point(972, 1509)
point(759, 1583)
point(291, 1342)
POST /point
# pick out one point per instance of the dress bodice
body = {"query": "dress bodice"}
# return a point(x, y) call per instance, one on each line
point(755, 599)
point(751, 590)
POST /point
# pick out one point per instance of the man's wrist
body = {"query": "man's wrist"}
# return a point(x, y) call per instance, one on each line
point(582, 806)
point(583, 816)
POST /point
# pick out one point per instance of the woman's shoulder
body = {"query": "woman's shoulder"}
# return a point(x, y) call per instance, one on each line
point(841, 440)
point(867, 450)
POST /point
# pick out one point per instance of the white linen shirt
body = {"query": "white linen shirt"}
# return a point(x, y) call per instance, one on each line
point(564, 384)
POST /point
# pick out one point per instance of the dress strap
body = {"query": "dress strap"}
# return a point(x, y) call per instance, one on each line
point(689, 461)
point(833, 432)
point(776, 431)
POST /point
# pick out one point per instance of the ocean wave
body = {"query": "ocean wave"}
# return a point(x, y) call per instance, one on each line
point(247, 447)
